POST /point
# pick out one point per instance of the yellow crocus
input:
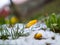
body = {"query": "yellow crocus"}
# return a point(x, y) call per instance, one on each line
point(14, 20)
point(38, 36)
point(30, 23)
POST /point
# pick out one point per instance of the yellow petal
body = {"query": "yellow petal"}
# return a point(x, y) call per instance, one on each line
point(14, 20)
point(38, 36)
point(30, 23)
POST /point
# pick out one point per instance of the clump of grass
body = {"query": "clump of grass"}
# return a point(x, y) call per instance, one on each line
point(5, 33)
point(53, 22)
point(16, 33)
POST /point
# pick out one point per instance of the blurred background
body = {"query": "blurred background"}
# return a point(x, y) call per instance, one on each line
point(30, 9)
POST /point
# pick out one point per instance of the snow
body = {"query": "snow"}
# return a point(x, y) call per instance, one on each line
point(29, 40)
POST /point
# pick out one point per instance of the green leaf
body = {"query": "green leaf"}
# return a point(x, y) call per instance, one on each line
point(2, 20)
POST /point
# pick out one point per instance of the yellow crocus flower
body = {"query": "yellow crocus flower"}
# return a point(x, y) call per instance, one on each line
point(14, 20)
point(30, 23)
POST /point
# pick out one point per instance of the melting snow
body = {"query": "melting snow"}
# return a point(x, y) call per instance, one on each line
point(29, 40)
